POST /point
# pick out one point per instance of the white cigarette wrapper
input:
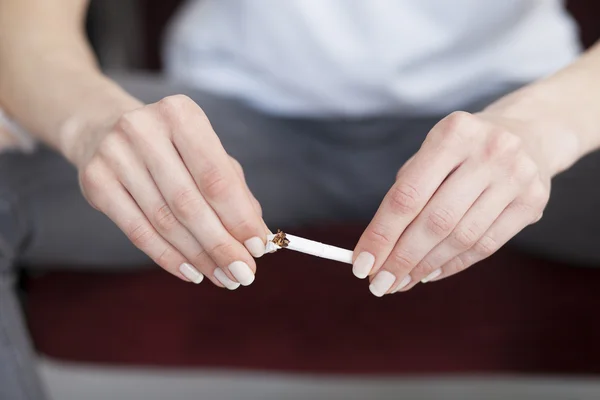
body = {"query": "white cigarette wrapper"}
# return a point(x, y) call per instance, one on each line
point(313, 248)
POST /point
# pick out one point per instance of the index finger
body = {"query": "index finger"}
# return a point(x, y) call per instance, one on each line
point(214, 174)
point(415, 185)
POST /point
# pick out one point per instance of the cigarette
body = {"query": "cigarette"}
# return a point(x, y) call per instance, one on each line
point(291, 242)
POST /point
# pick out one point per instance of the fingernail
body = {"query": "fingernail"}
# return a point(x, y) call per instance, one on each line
point(255, 246)
point(242, 272)
point(403, 284)
point(224, 279)
point(191, 273)
point(432, 275)
point(382, 283)
point(363, 265)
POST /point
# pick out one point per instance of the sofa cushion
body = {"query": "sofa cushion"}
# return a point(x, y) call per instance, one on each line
point(305, 314)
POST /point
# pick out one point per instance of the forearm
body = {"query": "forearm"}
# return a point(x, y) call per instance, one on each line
point(49, 80)
point(568, 101)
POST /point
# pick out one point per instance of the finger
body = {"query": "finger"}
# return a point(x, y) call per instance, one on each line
point(522, 212)
point(240, 171)
point(257, 207)
point(111, 198)
point(405, 200)
point(478, 219)
point(214, 174)
point(179, 190)
point(435, 222)
point(137, 181)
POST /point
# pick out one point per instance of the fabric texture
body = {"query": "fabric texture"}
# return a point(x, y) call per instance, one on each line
point(366, 58)
point(303, 171)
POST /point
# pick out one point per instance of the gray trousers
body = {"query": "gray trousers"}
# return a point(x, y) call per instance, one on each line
point(322, 170)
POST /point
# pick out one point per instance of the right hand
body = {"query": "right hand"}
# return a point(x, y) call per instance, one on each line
point(161, 174)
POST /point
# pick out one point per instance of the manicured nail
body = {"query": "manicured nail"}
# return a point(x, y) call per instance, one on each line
point(403, 284)
point(224, 279)
point(242, 272)
point(363, 265)
point(191, 273)
point(255, 246)
point(432, 275)
point(382, 283)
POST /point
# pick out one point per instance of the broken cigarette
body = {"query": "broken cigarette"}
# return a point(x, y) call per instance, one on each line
point(291, 242)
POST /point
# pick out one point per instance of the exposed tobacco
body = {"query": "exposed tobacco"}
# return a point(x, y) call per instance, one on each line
point(280, 239)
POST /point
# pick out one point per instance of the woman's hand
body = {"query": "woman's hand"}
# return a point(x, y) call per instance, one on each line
point(161, 174)
point(477, 181)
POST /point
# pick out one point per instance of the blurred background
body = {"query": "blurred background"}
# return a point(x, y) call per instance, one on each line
point(481, 335)
point(128, 34)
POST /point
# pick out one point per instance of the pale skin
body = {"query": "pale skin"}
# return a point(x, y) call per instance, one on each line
point(161, 174)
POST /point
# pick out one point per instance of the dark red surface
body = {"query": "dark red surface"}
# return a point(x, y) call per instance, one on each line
point(509, 314)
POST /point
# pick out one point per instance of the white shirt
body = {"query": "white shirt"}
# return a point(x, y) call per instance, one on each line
point(366, 57)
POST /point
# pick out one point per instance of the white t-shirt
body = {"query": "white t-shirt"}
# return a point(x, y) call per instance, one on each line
point(366, 57)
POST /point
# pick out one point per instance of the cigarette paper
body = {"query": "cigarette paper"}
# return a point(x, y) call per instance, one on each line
point(296, 243)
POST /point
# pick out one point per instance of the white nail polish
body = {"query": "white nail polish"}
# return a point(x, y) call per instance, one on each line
point(382, 282)
point(432, 275)
point(224, 279)
point(242, 272)
point(363, 265)
point(191, 273)
point(404, 283)
point(255, 246)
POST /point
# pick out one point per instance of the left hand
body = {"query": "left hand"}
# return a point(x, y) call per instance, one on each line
point(477, 181)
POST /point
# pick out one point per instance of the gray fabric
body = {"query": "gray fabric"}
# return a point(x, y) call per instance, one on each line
point(321, 170)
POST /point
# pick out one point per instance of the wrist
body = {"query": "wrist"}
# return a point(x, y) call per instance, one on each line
point(549, 127)
point(96, 115)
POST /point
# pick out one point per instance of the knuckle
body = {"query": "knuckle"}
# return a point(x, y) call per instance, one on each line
point(522, 170)
point(457, 125)
point(214, 183)
point(186, 203)
point(174, 105)
point(178, 107)
point(509, 142)
point(536, 201)
point(240, 228)
point(164, 258)
point(502, 144)
point(380, 235)
point(525, 169)
point(424, 268)
point(141, 235)
point(110, 145)
point(164, 219)
point(237, 166)
point(402, 259)
point(464, 238)
point(404, 199)
point(440, 222)
point(540, 195)
point(457, 120)
point(486, 246)
point(92, 176)
point(128, 123)
point(201, 258)
point(223, 250)
point(459, 264)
